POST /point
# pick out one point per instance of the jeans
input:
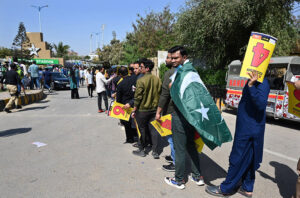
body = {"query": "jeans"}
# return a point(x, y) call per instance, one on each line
point(35, 81)
point(46, 85)
point(100, 95)
point(170, 140)
point(90, 89)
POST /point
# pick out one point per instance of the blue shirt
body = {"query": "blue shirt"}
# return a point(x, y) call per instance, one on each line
point(33, 70)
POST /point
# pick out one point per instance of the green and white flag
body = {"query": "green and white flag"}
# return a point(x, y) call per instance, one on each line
point(195, 103)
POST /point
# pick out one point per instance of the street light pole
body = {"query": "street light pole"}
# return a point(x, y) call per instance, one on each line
point(39, 8)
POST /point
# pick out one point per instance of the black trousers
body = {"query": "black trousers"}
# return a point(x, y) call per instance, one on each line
point(129, 131)
point(90, 88)
point(148, 133)
point(74, 93)
point(104, 96)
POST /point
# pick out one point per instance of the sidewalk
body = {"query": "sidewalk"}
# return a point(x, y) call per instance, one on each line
point(31, 97)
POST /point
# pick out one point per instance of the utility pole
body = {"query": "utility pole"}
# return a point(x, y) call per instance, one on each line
point(39, 8)
point(91, 38)
point(102, 32)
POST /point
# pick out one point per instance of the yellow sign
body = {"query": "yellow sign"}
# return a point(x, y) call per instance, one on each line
point(259, 52)
point(163, 127)
point(137, 128)
point(117, 111)
point(294, 100)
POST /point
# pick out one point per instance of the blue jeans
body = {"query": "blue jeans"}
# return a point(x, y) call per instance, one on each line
point(170, 140)
point(35, 81)
point(46, 85)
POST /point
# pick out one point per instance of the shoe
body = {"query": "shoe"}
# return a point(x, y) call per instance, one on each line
point(139, 152)
point(136, 145)
point(128, 141)
point(244, 193)
point(105, 111)
point(169, 159)
point(199, 182)
point(155, 155)
point(169, 168)
point(174, 183)
point(216, 191)
point(18, 107)
point(7, 110)
point(100, 111)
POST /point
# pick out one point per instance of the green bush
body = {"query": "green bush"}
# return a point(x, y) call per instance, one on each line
point(212, 77)
point(162, 70)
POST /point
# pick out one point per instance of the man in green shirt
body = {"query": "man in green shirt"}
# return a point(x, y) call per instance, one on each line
point(146, 97)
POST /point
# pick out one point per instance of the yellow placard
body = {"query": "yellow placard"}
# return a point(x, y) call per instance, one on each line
point(198, 142)
point(163, 127)
point(117, 111)
point(259, 52)
point(137, 128)
point(294, 99)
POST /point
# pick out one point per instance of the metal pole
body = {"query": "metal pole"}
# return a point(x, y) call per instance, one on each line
point(91, 43)
point(40, 19)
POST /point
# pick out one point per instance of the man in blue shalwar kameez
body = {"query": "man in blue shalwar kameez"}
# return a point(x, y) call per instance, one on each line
point(247, 149)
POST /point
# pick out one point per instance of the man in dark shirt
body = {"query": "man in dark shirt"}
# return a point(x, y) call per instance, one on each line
point(125, 95)
point(12, 80)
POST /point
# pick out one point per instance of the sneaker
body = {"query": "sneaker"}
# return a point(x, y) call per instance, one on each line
point(169, 168)
point(136, 145)
point(100, 111)
point(7, 110)
point(139, 152)
point(169, 159)
point(174, 183)
point(105, 111)
point(199, 182)
point(155, 155)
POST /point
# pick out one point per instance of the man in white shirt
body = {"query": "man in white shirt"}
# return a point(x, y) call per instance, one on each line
point(101, 81)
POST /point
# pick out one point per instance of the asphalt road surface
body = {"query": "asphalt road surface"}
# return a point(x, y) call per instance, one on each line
point(84, 156)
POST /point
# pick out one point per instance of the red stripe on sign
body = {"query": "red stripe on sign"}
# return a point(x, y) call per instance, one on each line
point(234, 92)
point(280, 97)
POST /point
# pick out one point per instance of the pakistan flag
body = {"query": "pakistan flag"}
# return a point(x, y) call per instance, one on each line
point(197, 106)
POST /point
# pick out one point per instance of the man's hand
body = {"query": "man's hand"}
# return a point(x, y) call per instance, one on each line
point(133, 114)
point(157, 116)
point(126, 106)
point(253, 78)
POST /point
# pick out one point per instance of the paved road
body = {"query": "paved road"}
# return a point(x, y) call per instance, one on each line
point(85, 156)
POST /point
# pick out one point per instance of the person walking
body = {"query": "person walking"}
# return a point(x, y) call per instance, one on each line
point(47, 79)
point(247, 149)
point(12, 80)
point(101, 81)
point(89, 82)
point(34, 74)
point(73, 85)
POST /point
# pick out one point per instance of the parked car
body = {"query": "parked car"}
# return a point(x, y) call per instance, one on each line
point(60, 81)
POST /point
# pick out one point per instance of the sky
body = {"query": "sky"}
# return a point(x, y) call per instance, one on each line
point(72, 22)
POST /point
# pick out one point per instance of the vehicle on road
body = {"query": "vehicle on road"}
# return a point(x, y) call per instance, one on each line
point(59, 81)
point(280, 71)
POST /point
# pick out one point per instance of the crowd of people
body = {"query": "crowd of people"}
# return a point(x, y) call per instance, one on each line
point(137, 88)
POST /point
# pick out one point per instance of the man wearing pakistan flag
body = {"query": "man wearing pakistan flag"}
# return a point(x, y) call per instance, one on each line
point(194, 110)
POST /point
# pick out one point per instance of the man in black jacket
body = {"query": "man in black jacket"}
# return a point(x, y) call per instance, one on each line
point(12, 80)
point(125, 95)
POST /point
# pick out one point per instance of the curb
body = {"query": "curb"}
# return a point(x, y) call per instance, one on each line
point(25, 100)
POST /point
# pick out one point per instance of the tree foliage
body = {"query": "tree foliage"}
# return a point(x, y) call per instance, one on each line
point(112, 53)
point(61, 49)
point(21, 43)
point(218, 31)
point(5, 52)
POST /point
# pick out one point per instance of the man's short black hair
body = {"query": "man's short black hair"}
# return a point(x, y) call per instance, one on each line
point(13, 66)
point(176, 48)
point(123, 71)
point(34, 62)
point(147, 63)
point(100, 67)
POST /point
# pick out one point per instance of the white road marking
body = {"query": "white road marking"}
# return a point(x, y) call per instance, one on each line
point(280, 155)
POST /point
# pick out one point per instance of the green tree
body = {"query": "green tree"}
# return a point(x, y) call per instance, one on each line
point(21, 43)
point(61, 49)
point(218, 31)
point(5, 52)
point(151, 33)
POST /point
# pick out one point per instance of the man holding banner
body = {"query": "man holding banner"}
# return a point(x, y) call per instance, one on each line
point(148, 89)
point(125, 95)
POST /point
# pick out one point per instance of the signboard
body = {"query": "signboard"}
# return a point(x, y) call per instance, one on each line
point(164, 128)
point(46, 61)
point(117, 111)
point(294, 99)
point(259, 52)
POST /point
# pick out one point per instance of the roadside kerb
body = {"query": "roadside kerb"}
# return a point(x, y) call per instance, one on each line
point(25, 99)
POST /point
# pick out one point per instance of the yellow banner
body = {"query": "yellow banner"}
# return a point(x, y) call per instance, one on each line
point(117, 111)
point(294, 99)
point(259, 52)
point(163, 127)
point(137, 128)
